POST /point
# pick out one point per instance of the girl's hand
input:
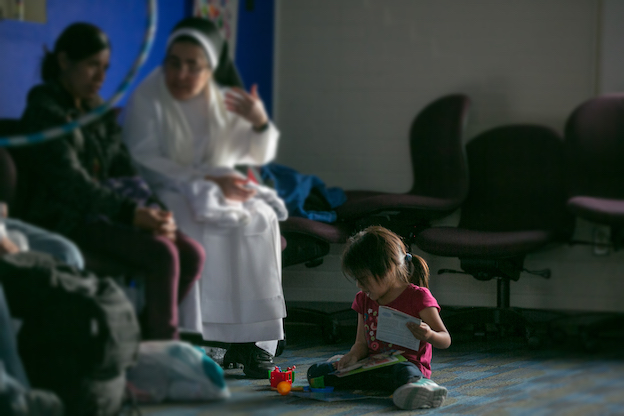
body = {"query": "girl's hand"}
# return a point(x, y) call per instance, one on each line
point(346, 360)
point(422, 332)
point(247, 105)
point(431, 328)
point(233, 187)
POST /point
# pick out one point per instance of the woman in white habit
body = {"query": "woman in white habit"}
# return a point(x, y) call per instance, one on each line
point(186, 133)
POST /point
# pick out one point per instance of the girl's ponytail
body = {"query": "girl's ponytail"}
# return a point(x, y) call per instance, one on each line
point(419, 271)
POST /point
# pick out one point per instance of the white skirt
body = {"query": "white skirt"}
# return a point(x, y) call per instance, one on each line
point(239, 297)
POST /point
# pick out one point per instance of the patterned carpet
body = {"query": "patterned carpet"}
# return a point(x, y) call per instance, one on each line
point(494, 377)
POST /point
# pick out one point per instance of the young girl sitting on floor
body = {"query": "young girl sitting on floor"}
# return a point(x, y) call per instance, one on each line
point(378, 261)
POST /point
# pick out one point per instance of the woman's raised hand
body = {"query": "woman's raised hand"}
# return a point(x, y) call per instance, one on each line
point(158, 221)
point(233, 187)
point(247, 105)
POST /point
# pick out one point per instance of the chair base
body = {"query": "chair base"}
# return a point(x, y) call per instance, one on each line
point(613, 242)
point(593, 334)
point(303, 249)
point(490, 323)
point(330, 326)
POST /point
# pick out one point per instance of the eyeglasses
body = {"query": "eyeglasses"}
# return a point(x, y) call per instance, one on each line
point(174, 64)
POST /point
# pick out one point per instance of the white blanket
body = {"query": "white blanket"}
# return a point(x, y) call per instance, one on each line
point(210, 205)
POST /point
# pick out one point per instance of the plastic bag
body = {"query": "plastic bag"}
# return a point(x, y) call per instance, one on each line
point(175, 371)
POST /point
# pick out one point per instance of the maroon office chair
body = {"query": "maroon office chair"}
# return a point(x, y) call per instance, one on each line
point(308, 242)
point(515, 206)
point(439, 187)
point(594, 155)
point(440, 177)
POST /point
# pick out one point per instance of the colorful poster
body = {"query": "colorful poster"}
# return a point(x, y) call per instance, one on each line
point(224, 13)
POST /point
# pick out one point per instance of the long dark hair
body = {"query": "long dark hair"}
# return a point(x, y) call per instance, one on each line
point(378, 253)
point(78, 41)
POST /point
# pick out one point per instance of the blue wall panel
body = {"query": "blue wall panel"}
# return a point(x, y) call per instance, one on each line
point(254, 46)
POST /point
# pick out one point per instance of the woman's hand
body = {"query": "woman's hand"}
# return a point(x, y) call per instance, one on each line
point(247, 105)
point(346, 360)
point(233, 187)
point(160, 222)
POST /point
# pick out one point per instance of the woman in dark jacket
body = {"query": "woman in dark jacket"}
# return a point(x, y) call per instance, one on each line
point(83, 185)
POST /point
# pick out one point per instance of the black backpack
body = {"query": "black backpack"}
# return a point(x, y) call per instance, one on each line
point(79, 332)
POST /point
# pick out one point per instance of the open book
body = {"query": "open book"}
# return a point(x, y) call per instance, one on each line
point(391, 328)
point(370, 363)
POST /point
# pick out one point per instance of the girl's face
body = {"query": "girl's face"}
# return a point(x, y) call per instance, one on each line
point(83, 79)
point(375, 289)
point(187, 70)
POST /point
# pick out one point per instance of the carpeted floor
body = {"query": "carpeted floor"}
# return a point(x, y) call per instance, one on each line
point(493, 377)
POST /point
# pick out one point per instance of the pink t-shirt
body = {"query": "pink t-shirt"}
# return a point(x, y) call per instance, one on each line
point(413, 300)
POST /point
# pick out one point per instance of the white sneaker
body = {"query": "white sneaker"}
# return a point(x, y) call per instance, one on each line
point(423, 394)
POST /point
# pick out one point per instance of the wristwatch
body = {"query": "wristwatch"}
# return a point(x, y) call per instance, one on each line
point(262, 128)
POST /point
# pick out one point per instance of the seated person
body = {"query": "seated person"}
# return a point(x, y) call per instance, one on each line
point(186, 134)
point(83, 184)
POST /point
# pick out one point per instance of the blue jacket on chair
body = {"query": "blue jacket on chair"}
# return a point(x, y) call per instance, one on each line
point(295, 188)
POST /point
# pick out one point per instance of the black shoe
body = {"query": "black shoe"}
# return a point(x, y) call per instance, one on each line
point(256, 362)
point(281, 346)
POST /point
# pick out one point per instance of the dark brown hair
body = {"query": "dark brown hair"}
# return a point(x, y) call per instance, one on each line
point(78, 41)
point(379, 253)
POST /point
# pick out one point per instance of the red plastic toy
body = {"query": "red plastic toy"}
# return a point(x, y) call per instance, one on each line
point(278, 376)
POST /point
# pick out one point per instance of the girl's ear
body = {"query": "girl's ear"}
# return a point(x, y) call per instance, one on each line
point(63, 61)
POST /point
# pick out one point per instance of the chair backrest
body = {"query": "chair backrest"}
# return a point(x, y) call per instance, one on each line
point(594, 148)
point(516, 181)
point(437, 149)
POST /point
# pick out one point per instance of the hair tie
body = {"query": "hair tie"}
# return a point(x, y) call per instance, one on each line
point(408, 257)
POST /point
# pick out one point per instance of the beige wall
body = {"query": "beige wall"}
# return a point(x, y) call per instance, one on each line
point(612, 47)
point(351, 75)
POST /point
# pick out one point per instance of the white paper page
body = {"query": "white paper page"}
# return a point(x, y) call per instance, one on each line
point(391, 328)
